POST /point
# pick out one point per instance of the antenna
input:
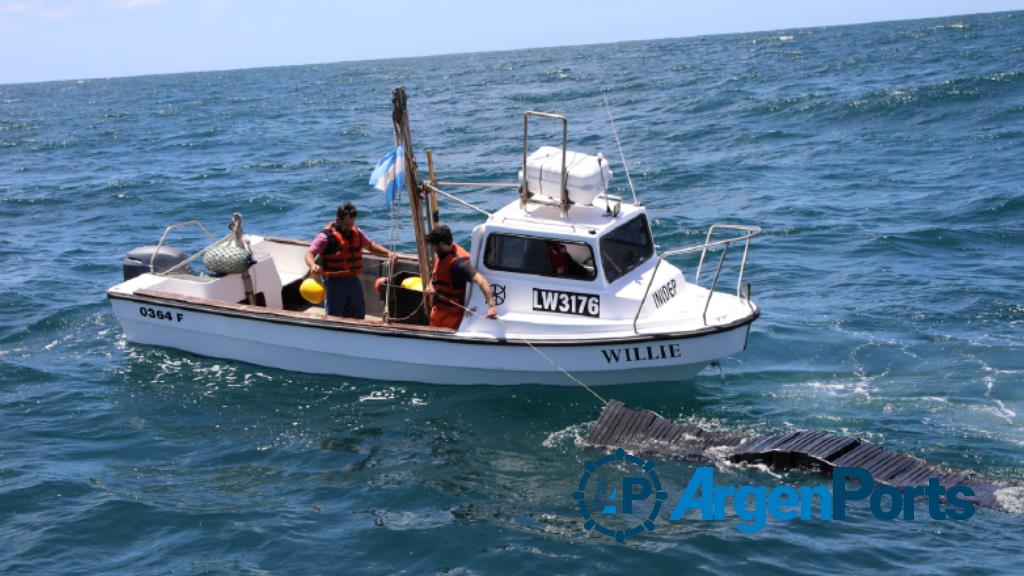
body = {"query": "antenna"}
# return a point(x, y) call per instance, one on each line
point(621, 154)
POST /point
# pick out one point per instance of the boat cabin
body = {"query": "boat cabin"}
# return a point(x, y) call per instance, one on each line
point(586, 267)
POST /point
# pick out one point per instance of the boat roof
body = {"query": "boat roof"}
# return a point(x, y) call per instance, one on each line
point(546, 218)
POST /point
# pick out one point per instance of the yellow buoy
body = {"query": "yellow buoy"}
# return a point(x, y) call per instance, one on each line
point(312, 291)
point(413, 283)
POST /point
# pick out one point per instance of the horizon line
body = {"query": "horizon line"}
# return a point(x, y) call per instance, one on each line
point(500, 50)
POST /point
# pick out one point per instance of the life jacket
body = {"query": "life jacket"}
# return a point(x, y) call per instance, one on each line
point(342, 257)
point(559, 259)
point(448, 295)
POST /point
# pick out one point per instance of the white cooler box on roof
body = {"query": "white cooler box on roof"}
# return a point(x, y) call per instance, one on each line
point(588, 176)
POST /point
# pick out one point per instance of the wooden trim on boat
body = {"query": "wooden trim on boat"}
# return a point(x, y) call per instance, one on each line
point(396, 330)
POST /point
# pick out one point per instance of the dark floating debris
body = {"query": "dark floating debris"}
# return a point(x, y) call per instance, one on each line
point(645, 432)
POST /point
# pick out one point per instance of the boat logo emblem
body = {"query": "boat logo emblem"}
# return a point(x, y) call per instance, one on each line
point(627, 509)
point(498, 292)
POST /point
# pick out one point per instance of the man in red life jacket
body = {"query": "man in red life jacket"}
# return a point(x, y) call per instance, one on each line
point(340, 248)
point(452, 272)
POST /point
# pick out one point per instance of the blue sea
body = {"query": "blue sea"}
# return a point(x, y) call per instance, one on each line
point(884, 162)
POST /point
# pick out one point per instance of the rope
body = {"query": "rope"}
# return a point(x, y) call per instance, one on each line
point(532, 347)
point(388, 268)
point(410, 315)
point(615, 132)
point(230, 236)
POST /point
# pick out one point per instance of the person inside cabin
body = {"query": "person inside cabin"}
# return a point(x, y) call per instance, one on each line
point(563, 264)
point(337, 254)
point(452, 272)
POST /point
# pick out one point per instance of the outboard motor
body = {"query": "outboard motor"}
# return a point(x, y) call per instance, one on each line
point(137, 261)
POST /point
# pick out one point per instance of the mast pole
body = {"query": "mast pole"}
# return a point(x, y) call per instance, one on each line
point(400, 119)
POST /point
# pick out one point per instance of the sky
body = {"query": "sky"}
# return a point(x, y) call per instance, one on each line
point(73, 39)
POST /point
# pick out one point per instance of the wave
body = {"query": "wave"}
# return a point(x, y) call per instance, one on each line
point(934, 101)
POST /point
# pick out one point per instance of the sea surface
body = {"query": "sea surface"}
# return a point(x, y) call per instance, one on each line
point(885, 163)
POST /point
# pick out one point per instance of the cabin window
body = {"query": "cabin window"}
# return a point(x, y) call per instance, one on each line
point(626, 247)
point(540, 256)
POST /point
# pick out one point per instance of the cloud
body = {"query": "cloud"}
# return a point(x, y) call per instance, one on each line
point(131, 4)
point(57, 13)
point(50, 13)
point(15, 8)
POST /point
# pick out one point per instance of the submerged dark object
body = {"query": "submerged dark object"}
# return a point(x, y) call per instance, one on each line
point(647, 433)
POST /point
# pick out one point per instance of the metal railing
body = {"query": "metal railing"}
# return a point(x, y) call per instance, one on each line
point(563, 191)
point(163, 238)
point(748, 232)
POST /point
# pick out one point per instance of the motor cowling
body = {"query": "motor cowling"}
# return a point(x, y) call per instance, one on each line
point(138, 259)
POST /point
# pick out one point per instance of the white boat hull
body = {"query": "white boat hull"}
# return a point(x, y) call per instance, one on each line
point(330, 347)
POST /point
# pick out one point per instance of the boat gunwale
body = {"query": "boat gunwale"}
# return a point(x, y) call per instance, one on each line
point(397, 330)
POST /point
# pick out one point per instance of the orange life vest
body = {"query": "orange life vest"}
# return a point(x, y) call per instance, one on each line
point(342, 257)
point(442, 279)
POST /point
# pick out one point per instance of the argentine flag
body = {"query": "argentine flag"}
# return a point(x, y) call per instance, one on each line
point(389, 175)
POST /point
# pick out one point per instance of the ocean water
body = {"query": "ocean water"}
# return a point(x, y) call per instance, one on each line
point(883, 162)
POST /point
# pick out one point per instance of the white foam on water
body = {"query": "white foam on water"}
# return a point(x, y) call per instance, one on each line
point(575, 433)
point(1011, 499)
point(722, 462)
point(999, 410)
point(861, 387)
point(384, 395)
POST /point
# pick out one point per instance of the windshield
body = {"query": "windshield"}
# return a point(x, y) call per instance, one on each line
point(626, 247)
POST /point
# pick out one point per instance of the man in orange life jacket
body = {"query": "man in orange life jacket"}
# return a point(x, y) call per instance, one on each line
point(340, 247)
point(452, 272)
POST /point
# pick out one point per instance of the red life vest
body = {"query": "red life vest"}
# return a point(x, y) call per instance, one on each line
point(442, 279)
point(559, 259)
point(342, 257)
